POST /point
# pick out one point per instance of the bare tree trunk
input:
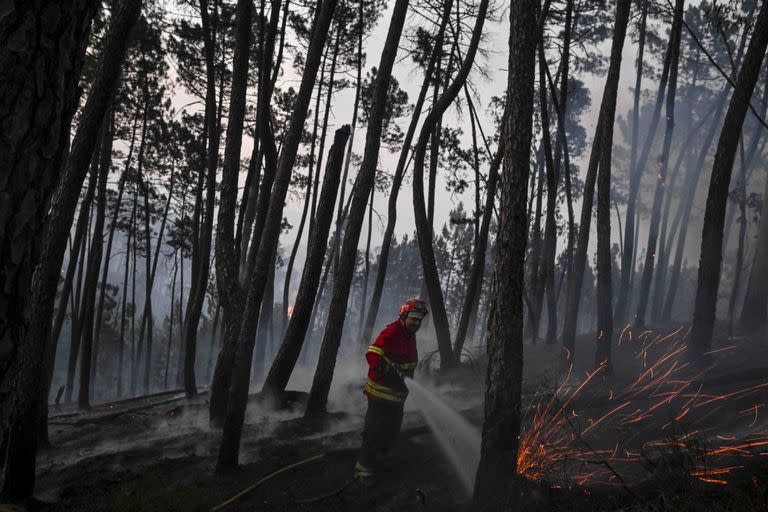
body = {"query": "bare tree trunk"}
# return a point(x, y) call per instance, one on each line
point(754, 311)
point(227, 268)
point(200, 274)
point(108, 253)
point(50, 356)
point(94, 261)
point(212, 349)
point(423, 229)
point(76, 321)
point(742, 235)
point(501, 425)
point(321, 383)
point(23, 372)
point(663, 166)
point(41, 55)
point(244, 337)
point(599, 154)
point(285, 360)
point(714, 215)
point(627, 260)
point(469, 311)
point(171, 323)
point(366, 270)
point(389, 230)
point(546, 280)
point(121, 342)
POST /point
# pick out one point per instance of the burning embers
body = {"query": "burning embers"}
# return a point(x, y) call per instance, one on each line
point(660, 422)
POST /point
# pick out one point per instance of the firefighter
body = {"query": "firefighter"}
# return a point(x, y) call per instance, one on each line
point(392, 357)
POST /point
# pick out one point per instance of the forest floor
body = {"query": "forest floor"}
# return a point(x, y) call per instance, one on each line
point(158, 453)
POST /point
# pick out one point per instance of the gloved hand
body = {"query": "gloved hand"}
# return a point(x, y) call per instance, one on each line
point(386, 370)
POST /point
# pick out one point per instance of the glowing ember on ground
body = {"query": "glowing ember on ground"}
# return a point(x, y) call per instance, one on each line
point(658, 419)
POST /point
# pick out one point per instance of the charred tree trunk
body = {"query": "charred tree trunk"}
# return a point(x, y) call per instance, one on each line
point(754, 311)
point(200, 273)
point(94, 262)
point(423, 228)
point(501, 424)
point(364, 183)
point(244, 333)
point(603, 135)
point(628, 256)
point(714, 215)
point(227, 268)
point(663, 166)
point(547, 271)
point(469, 311)
point(82, 222)
point(285, 360)
point(22, 376)
point(397, 180)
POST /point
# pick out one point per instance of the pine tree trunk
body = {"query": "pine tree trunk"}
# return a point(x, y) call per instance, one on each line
point(200, 274)
point(123, 310)
point(547, 271)
point(108, 252)
point(83, 220)
point(714, 215)
point(604, 278)
point(501, 424)
point(397, 180)
point(366, 270)
point(423, 229)
point(304, 212)
point(663, 166)
point(171, 319)
point(754, 311)
point(290, 348)
point(469, 311)
point(603, 133)
point(627, 260)
point(244, 337)
point(94, 262)
point(26, 371)
point(321, 383)
point(227, 268)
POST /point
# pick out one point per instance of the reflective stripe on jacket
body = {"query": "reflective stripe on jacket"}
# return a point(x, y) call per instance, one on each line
point(399, 347)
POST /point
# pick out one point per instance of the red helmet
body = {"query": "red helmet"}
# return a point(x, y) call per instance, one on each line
point(415, 308)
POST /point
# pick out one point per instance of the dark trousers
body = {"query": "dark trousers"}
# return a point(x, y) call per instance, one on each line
point(382, 426)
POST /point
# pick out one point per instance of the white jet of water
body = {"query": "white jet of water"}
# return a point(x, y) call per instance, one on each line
point(458, 438)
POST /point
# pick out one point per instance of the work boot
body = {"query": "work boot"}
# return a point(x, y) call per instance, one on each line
point(363, 475)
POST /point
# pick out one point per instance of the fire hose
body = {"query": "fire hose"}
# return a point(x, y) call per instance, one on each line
point(251, 488)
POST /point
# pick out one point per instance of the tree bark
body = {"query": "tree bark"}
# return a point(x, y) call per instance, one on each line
point(285, 360)
point(94, 262)
point(238, 392)
point(22, 375)
point(321, 383)
point(227, 268)
point(663, 166)
point(714, 214)
point(628, 260)
point(547, 270)
point(423, 229)
point(469, 311)
point(501, 425)
point(397, 180)
point(200, 275)
point(83, 222)
point(603, 134)
point(604, 281)
point(754, 311)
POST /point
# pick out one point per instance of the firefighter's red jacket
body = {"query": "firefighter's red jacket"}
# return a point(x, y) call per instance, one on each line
point(398, 346)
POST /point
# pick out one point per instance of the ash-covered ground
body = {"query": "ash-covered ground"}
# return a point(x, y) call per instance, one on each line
point(159, 453)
